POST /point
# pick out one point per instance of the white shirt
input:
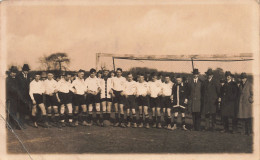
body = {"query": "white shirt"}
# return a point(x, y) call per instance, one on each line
point(64, 86)
point(79, 85)
point(155, 88)
point(92, 84)
point(118, 83)
point(50, 86)
point(130, 88)
point(142, 88)
point(106, 87)
point(167, 89)
point(36, 88)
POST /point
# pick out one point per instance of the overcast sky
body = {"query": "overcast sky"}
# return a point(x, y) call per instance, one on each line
point(84, 30)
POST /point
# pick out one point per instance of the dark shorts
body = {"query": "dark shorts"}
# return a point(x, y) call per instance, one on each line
point(106, 99)
point(91, 99)
point(38, 98)
point(65, 98)
point(51, 100)
point(154, 102)
point(118, 97)
point(179, 109)
point(78, 100)
point(166, 102)
point(142, 101)
point(130, 102)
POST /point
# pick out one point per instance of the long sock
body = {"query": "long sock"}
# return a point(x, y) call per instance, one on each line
point(70, 117)
point(62, 117)
point(122, 118)
point(141, 118)
point(147, 119)
point(116, 117)
point(158, 119)
point(153, 119)
point(174, 120)
point(168, 120)
point(90, 117)
point(98, 117)
point(134, 118)
point(109, 117)
point(84, 116)
point(76, 117)
point(34, 119)
point(44, 118)
point(128, 119)
point(182, 120)
point(49, 117)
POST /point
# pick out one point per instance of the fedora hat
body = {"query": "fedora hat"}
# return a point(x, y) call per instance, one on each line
point(209, 72)
point(13, 69)
point(26, 67)
point(228, 73)
point(195, 71)
point(243, 75)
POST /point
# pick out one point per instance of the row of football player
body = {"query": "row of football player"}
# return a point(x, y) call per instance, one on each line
point(123, 93)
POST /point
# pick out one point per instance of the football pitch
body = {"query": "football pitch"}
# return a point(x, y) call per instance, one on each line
point(111, 139)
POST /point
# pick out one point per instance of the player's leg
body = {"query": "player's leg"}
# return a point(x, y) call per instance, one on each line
point(134, 117)
point(104, 108)
point(34, 118)
point(168, 120)
point(175, 116)
point(146, 114)
point(109, 107)
point(128, 118)
point(158, 111)
point(62, 115)
point(140, 116)
point(44, 115)
point(122, 115)
point(70, 114)
point(49, 108)
point(76, 115)
point(183, 123)
point(153, 115)
point(98, 114)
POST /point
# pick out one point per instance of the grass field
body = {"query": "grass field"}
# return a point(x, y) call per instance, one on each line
point(110, 139)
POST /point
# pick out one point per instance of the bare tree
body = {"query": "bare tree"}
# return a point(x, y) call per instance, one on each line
point(55, 61)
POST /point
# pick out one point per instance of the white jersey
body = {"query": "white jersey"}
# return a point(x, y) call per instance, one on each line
point(167, 88)
point(106, 87)
point(130, 88)
point(155, 88)
point(118, 84)
point(142, 88)
point(79, 85)
point(64, 86)
point(92, 84)
point(36, 88)
point(50, 86)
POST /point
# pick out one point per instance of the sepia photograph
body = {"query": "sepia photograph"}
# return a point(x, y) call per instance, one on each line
point(129, 79)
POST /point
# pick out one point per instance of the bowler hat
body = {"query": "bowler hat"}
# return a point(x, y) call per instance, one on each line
point(243, 75)
point(196, 71)
point(228, 73)
point(26, 67)
point(209, 72)
point(13, 69)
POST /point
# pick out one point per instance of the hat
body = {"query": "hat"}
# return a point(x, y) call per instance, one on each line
point(243, 75)
point(196, 71)
point(39, 73)
point(228, 73)
point(209, 72)
point(13, 69)
point(26, 67)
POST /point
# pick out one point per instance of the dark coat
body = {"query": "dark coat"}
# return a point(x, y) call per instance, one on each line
point(211, 93)
point(183, 94)
point(23, 84)
point(12, 94)
point(229, 100)
point(195, 90)
point(245, 100)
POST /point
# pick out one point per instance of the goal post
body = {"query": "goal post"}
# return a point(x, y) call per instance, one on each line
point(191, 58)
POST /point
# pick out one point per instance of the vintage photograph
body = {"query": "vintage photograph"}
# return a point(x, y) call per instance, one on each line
point(130, 78)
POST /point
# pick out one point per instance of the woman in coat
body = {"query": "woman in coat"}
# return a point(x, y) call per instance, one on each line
point(245, 103)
